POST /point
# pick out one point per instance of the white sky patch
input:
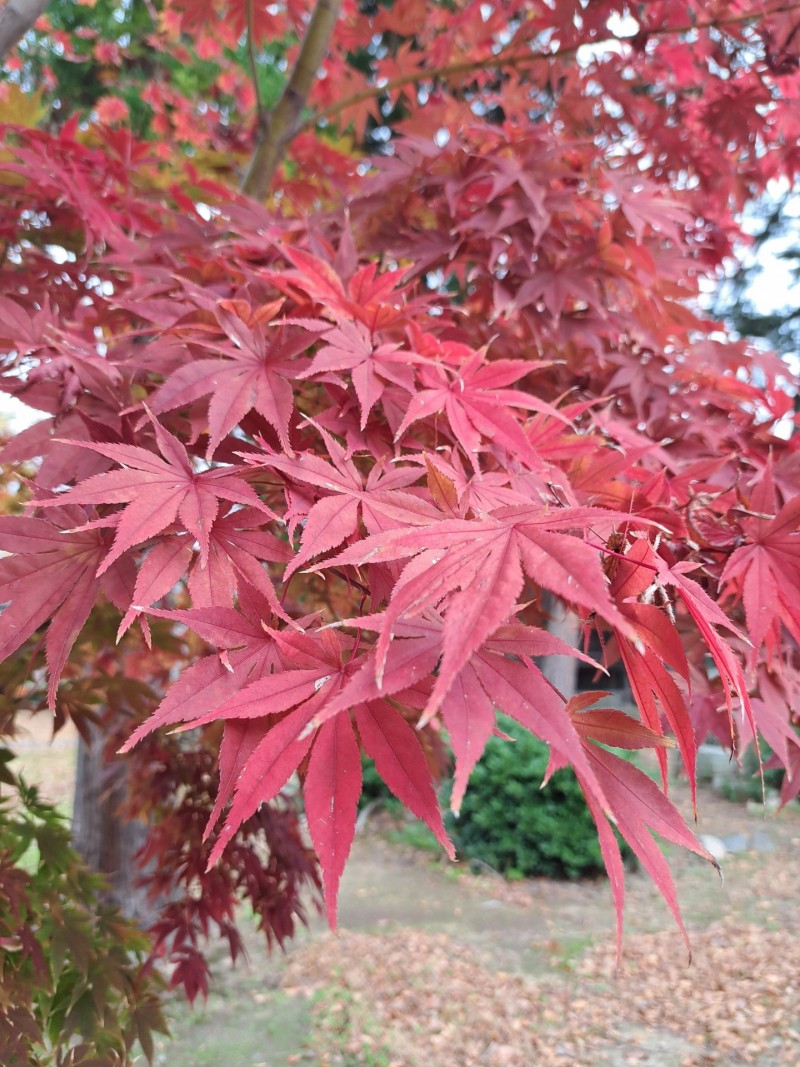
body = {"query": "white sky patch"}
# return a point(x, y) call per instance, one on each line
point(773, 287)
point(620, 26)
point(16, 416)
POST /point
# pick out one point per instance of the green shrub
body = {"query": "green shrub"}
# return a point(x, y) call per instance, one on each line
point(375, 790)
point(76, 988)
point(508, 822)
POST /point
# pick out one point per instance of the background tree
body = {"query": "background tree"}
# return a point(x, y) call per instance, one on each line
point(758, 295)
point(356, 440)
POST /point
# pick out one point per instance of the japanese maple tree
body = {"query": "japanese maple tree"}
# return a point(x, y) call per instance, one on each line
point(339, 441)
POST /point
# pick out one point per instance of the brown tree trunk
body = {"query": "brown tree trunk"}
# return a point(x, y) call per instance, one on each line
point(105, 841)
point(278, 127)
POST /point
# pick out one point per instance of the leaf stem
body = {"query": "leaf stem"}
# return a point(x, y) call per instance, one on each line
point(350, 581)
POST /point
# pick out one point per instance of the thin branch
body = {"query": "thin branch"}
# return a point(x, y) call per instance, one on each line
point(350, 581)
point(16, 18)
point(511, 60)
point(281, 124)
point(252, 60)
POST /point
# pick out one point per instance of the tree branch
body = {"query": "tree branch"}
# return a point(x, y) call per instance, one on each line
point(280, 125)
point(16, 18)
point(511, 60)
point(253, 64)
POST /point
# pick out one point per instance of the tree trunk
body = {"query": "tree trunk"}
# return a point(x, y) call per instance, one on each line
point(278, 127)
point(105, 841)
point(16, 18)
point(562, 671)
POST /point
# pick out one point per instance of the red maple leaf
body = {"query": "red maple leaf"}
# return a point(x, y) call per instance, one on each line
point(647, 652)
point(765, 572)
point(332, 789)
point(158, 490)
point(371, 299)
point(487, 681)
point(269, 732)
point(479, 565)
point(53, 575)
point(371, 363)
point(474, 397)
point(260, 359)
point(248, 652)
point(637, 806)
point(333, 518)
point(237, 547)
point(709, 618)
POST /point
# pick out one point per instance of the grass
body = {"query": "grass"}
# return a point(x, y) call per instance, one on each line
point(415, 835)
point(569, 950)
point(271, 1029)
point(344, 1033)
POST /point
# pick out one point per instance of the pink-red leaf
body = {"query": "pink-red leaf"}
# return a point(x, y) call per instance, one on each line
point(469, 717)
point(270, 766)
point(638, 806)
point(615, 728)
point(400, 761)
point(332, 788)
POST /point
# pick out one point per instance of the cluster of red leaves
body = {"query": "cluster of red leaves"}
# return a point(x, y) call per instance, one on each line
point(685, 82)
point(355, 453)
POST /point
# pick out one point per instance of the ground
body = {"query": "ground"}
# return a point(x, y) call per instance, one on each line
point(434, 966)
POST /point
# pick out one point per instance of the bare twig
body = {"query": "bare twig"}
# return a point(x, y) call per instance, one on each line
point(350, 581)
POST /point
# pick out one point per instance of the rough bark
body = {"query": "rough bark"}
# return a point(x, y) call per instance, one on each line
point(16, 18)
point(105, 841)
